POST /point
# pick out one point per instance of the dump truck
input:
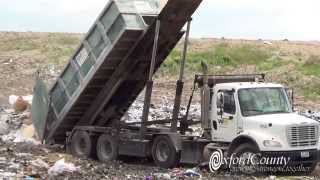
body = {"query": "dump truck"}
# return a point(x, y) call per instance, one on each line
point(116, 61)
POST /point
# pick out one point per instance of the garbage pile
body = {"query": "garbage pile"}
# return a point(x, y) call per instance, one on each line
point(312, 115)
point(22, 156)
point(159, 112)
point(163, 111)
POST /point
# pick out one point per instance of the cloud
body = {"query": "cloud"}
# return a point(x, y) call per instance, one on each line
point(273, 19)
point(81, 7)
point(48, 15)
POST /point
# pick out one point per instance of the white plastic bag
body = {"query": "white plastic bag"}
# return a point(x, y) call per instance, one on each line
point(61, 166)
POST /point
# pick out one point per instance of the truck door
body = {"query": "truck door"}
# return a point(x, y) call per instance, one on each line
point(224, 116)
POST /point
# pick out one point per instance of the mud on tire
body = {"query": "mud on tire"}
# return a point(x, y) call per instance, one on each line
point(107, 148)
point(82, 144)
point(164, 153)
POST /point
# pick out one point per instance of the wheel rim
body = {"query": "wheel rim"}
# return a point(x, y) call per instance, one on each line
point(106, 149)
point(245, 167)
point(162, 151)
point(82, 144)
point(81, 147)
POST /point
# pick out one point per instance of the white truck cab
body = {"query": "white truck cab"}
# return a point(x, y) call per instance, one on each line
point(257, 117)
point(262, 112)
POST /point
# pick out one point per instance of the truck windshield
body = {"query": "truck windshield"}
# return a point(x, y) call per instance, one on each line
point(258, 101)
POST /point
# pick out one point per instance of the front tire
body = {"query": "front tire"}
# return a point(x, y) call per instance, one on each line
point(164, 153)
point(244, 152)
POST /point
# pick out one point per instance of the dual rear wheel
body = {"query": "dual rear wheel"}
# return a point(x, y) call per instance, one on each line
point(85, 146)
point(164, 152)
point(105, 148)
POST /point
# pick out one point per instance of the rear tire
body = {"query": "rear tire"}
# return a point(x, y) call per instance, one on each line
point(164, 153)
point(107, 148)
point(81, 144)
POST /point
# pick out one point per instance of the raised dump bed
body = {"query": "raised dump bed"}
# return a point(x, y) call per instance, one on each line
point(109, 69)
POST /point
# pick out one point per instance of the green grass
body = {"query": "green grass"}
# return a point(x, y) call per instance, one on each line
point(19, 44)
point(223, 55)
point(225, 58)
point(312, 90)
point(311, 66)
point(55, 49)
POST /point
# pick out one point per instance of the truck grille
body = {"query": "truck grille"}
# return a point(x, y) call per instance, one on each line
point(300, 136)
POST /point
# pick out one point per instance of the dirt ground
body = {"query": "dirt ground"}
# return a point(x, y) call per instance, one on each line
point(18, 66)
point(23, 54)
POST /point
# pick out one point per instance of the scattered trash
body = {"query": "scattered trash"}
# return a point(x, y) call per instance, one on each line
point(5, 175)
point(267, 42)
point(272, 178)
point(14, 98)
point(192, 173)
point(28, 178)
point(4, 126)
point(22, 135)
point(148, 178)
point(23, 156)
point(61, 166)
point(20, 105)
point(3, 160)
point(164, 176)
point(311, 114)
point(162, 111)
point(28, 131)
point(39, 163)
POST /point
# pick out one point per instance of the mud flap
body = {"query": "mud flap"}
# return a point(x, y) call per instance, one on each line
point(40, 106)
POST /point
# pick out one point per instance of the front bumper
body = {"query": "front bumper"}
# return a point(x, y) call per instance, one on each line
point(296, 158)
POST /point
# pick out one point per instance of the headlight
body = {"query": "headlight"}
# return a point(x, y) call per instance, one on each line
point(271, 143)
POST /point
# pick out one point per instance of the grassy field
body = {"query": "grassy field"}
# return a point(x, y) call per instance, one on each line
point(295, 64)
point(291, 63)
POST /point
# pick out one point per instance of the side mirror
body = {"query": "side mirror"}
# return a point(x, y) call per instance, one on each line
point(220, 103)
point(290, 94)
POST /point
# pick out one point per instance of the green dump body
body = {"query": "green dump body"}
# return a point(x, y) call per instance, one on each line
point(110, 67)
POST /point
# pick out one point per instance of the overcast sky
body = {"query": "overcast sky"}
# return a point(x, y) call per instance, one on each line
point(253, 19)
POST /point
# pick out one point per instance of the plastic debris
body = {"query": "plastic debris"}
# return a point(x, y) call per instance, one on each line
point(162, 111)
point(272, 178)
point(162, 176)
point(39, 163)
point(19, 136)
point(267, 42)
point(20, 103)
point(7, 175)
point(61, 166)
point(192, 173)
point(28, 178)
point(311, 114)
point(4, 127)
point(14, 98)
